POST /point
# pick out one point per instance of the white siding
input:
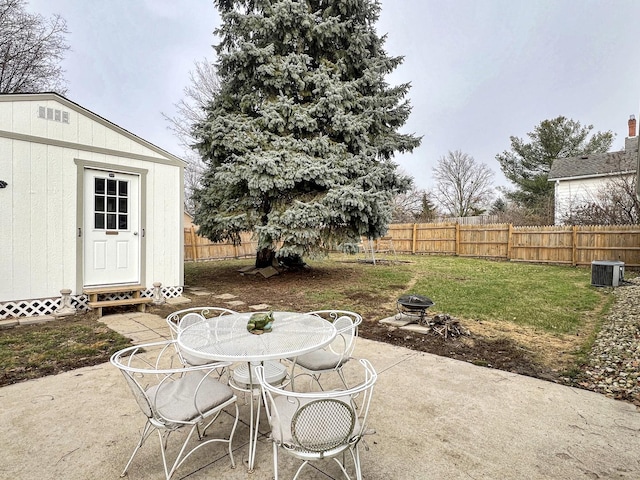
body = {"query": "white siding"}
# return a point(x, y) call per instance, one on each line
point(569, 194)
point(39, 218)
point(162, 215)
point(20, 190)
point(7, 224)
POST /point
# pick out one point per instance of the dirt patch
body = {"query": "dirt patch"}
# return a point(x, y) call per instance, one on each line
point(494, 345)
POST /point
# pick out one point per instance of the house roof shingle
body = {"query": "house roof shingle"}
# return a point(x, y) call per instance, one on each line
point(596, 164)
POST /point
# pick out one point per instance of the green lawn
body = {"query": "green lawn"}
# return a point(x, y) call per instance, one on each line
point(554, 299)
point(551, 298)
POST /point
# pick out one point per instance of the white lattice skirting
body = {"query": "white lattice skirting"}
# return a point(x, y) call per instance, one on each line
point(48, 306)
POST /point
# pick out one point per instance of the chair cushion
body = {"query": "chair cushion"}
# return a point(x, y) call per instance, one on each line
point(193, 359)
point(174, 400)
point(321, 360)
point(274, 373)
point(286, 407)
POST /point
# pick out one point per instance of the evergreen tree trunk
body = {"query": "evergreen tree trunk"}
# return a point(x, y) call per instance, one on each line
point(292, 262)
point(265, 257)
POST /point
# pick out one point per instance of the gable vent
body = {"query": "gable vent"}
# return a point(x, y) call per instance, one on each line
point(54, 114)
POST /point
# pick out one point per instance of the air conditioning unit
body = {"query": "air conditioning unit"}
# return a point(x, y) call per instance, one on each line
point(607, 273)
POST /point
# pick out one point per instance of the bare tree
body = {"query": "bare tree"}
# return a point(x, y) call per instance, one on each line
point(463, 186)
point(203, 87)
point(414, 205)
point(31, 49)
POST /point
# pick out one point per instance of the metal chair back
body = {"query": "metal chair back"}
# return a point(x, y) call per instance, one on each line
point(173, 396)
point(317, 425)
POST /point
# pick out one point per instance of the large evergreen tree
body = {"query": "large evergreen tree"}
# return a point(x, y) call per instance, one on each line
point(527, 165)
point(300, 140)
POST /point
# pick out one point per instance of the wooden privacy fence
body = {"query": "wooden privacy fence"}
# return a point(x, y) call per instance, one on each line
point(569, 245)
point(200, 248)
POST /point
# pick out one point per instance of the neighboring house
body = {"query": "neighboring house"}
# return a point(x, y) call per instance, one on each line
point(85, 206)
point(580, 180)
point(188, 220)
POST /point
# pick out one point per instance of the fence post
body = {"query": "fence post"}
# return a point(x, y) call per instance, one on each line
point(194, 249)
point(509, 241)
point(414, 239)
point(574, 245)
point(457, 239)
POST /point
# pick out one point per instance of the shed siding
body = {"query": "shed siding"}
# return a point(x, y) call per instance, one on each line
point(38, 238)
point(42, 237)
point(161, 212)
point(7, 223)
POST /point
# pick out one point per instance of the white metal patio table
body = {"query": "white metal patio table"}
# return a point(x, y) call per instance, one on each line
point(226, 338)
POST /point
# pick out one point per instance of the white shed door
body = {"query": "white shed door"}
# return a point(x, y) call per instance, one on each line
point(111, 228)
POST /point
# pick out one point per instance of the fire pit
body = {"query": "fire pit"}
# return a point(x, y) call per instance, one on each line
point(414, 305)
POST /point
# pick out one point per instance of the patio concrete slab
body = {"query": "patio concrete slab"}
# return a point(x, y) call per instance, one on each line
point(416, 328)
point(396, 322)
point(434, 417)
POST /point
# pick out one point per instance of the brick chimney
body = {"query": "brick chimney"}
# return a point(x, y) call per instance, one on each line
point(631, 142)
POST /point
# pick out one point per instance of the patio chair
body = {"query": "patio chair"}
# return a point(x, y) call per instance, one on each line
point(319, 425)
point(173, 396)
point(333, 357)
point(183, 318)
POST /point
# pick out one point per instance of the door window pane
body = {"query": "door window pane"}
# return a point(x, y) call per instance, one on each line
point(99, 186)
point(99, 220)
point(111, 196)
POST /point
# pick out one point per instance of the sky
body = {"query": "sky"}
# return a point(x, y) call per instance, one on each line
point(481, 70)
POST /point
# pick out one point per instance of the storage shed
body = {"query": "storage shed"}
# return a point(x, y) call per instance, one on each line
point(90, 214)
